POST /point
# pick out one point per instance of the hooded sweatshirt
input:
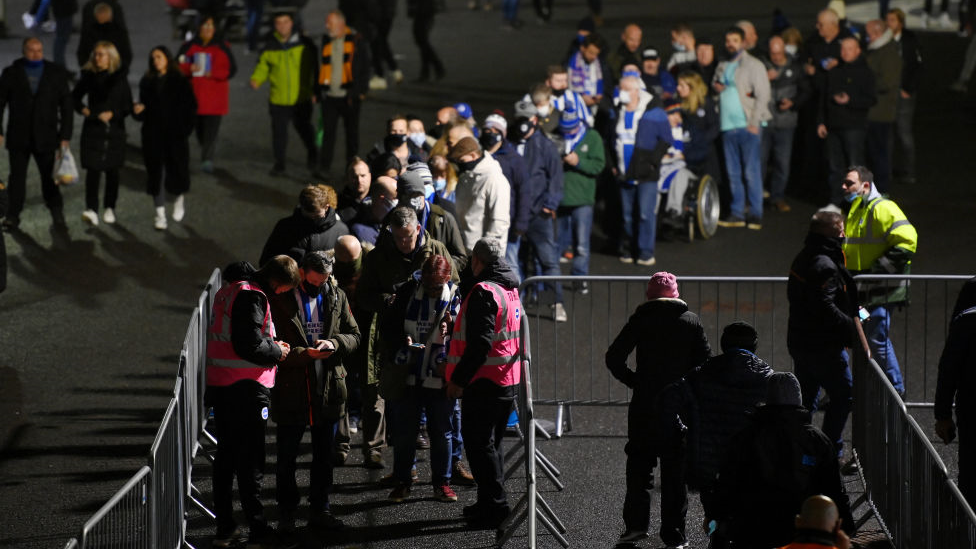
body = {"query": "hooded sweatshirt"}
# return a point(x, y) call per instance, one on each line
point(298, 234)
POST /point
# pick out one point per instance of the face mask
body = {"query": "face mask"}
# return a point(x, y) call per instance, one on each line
point(677, 46)
point(440, 184)
point(417, 203)
point(543, 110)
point(437, 131)
point(522, 129)
point(851, 197)
point(488, 140)
point(311, 289)
point(429, 192)
point(468, 166)
point(559, 93)
point(387, 205)
point(418, 138)
point(791, 50)
point(624, 97)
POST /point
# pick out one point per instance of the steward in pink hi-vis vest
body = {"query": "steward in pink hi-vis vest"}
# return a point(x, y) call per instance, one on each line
point(501, 365)
point(224, 366)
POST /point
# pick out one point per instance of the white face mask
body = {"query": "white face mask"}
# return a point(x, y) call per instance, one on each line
point(418, 138)
point(440, 183)
point(543, 111)
point(624, 97)
point(791, 50)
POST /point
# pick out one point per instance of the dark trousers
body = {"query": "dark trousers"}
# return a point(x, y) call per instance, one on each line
point(405, 415)
point(240, 411)
point(904, 157)
point(17, 183)
point(167, 166)
point(844, 148)
point(422, 25)
point(777, 146)
point(334, 108)
point(288, 440)
point(207, 128)
point(542, 248)
point(828, 369)
point(374, 421)
point(62, 35)
point(92, 182)
point(543, 9)
point(967, 460)
point(642, 457)
point(485, 408)
point(878, 147)
point(380, 46)
point(300, 116)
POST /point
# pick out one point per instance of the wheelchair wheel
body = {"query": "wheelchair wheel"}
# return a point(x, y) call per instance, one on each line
point(707, 207)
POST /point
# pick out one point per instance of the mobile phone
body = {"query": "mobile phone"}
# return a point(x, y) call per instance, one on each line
point(417, 346)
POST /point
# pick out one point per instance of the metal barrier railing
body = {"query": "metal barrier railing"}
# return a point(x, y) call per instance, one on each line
point(124, 521)
point(166, 460)
point(572, 372)
point(906, 485)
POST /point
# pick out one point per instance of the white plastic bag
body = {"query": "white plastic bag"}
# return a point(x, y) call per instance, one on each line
point(65, 168)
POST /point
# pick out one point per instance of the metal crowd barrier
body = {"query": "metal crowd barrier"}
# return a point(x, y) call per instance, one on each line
point(906, 485)
point(572, 372)
point(150, 510)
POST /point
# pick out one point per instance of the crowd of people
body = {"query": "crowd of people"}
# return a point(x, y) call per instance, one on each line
point(399, 292)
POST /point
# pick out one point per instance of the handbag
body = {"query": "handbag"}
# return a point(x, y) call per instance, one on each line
point(65, 168)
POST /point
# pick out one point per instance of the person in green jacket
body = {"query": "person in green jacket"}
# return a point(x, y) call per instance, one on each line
point(289, 64)
point(583, 160)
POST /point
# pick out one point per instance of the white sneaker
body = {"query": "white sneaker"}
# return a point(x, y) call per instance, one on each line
point(160, 221)
point(377, 83)
point(109, 216)
point(647, 262)
point(398, 76)
point(559, 313)
point(944, 20)
point(90, 217)
point(179, 209)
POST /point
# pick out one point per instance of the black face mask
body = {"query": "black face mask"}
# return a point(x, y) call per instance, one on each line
point(437, 131)
point(468, 166)
point(522, 128)
point(489, 139)
point(311, 290)
point(559, 93)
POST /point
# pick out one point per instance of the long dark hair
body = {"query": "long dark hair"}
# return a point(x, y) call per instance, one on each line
point(170, 64)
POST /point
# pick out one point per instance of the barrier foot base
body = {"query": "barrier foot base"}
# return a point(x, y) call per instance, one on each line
point(201, 507)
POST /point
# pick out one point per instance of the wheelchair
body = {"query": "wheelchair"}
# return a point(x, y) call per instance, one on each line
point(688, 202)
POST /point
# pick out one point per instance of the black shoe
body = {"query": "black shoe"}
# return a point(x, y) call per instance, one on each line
point(731, 222)
point(472, 510)
point(490, 518)
point(325, 520)
point(754, 224)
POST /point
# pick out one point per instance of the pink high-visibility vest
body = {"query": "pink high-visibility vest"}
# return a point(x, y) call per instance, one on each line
point(224, 366)
point(501, 366)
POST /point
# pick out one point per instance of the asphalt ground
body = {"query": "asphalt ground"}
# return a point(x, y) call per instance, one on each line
point(92, 321)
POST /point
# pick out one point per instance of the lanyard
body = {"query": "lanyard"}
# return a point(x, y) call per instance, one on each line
point(308, 312)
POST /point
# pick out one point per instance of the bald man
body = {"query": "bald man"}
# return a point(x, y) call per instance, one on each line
point(348, 266)
point(818, 526)
point(752, 37)
point(627, 51)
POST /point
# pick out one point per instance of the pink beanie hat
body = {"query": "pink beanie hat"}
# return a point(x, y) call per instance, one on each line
point(662, 284)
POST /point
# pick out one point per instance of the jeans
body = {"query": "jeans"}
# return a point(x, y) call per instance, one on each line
point(540, 235)
point(288, 440)
point(457, 440)
point(485, 409)
point(904, 137)
point(878, 148)
point(405, 416)
point(876, 330)
point(575, 225)
point(647, 198)
point(512, 255)
point(828, 369)
point(742, 154)
point(17, 182)
point(300, 115)
point(777, 143)
point(844, 148)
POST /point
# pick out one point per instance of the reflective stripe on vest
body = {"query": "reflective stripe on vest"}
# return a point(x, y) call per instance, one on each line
point(224, 366)
point(501, 364)
point(863, 246)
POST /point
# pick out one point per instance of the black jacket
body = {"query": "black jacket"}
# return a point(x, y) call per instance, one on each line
point(957, 366)
point(103, 145)
point(519, 209)
point(3, 244)
point(709, 406)
point(703, 128)
point(297, 234)
point(109, 32)
point(247, 319)
point(350, 206)
point(670, 341)
point(775, 463)
point(823, 297)
point(480, 318)
point(911, 59)
point(39, 121)
point(854, 79)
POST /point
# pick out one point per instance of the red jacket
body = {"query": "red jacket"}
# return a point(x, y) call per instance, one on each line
point(211, 91)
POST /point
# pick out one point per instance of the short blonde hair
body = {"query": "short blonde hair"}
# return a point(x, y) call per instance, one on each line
point(114, 60)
